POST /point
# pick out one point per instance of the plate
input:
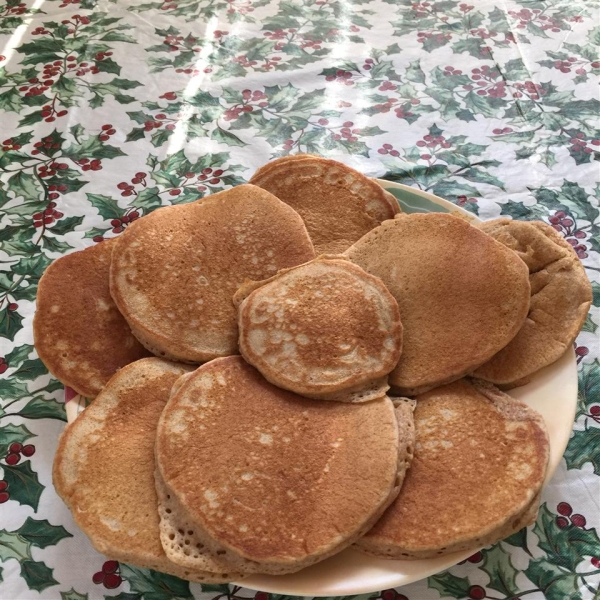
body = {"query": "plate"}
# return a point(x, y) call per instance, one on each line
point(552, 392)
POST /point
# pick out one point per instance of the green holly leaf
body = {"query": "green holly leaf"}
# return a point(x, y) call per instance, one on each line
point(44, 408)
point(153, 585)
point(450, 190)
point(124, 596)
point(10, 433)
point(31, 369)
point(73, 595)
point(584, 447)
point(107, 206)
point(32, 266)
point(148, 199)
point(518, 210)
point(498, 565)
point(41, 533)
point(25, 487)
point(554, 582)
point(37, 575)
point(66, 225)
point(14, 546)
point(17, 355)
point(10, 323)
point(226, 137)
point(93, 147)
point(589, 375)
point(449, 585)
point(519, 540)
point(10, 388)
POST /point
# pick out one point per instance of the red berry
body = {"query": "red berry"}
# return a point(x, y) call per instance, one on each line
point(98, 238)
point(116, 222)
point(595, 410)
point(578, 520)
point(3, 485)
point(134, 215)
point(98, 577)
point(214, 181)
point(103, 138)
point(564, 509)
point(106, 127)
point(476, 592)
point(110, 566)
point(13, 306)
point(389, 595)
point(175, 192)
point(596, 562)
point(261, 596)
point(112, 581)
point(3, 368)
point(13, 459)
point(4, 496)
point(15, 447)
point(475, 558)
point(140, 175)
point(28, 450)
point(561, 522)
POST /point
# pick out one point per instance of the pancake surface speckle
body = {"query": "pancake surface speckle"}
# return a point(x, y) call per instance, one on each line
point(324, 330)
point(104, 468)
point(277, 479)
point(479, 463)
point(338, 204)
point(78, 331)
point(561, 295)
point(462, 295)
point(174, 272)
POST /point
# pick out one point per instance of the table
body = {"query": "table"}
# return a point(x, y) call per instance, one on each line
point(109, 109)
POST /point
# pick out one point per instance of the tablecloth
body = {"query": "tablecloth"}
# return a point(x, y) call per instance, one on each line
point(110, 109)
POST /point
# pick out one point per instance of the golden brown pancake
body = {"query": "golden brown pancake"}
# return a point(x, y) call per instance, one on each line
point(175, 271)
point(78, 331)
point(326, 329)
point(462, 295)
point(104, 469)
point(338, 204)
point(278, 481)
point(479, 463)
point(561, 296)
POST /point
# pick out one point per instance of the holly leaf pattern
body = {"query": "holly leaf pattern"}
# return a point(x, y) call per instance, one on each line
point(110, 111)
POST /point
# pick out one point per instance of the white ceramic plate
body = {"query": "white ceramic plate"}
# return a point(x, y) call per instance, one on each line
point(552, 392)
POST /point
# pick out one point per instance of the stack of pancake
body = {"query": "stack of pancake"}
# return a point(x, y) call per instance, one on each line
point(323, 376)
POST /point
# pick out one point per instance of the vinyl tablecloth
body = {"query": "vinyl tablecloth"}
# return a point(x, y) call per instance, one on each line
point(110, 109)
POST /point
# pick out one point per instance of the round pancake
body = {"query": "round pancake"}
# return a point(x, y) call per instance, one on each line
point(326, 329)
point(78, 331)
point(462, 295)
point(175, 271)
point(561, 295)
point(104, 470)
point(338, 204)
point(479, 463)
point(278, 481)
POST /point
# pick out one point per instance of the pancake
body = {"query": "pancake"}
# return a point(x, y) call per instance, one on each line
point(462, 295)
point(338, 204)
point(78, 331)
point(278, 481)
point(479, 463)
point(326, 329)
point(104, 470)
point(174, 272)
point(561, 296)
